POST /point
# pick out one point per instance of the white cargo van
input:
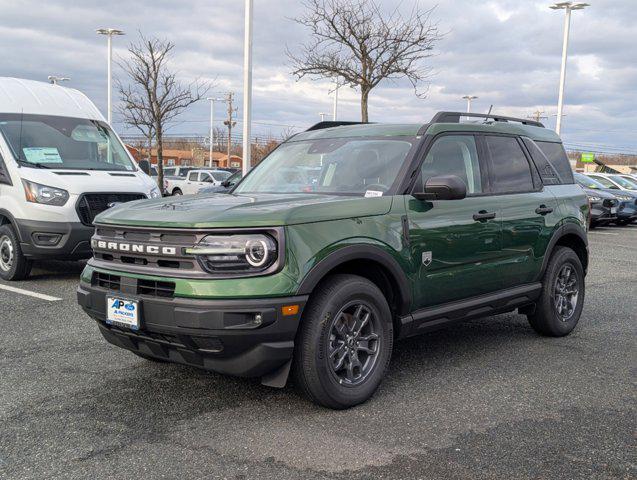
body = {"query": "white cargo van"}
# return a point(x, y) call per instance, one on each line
point(60, 165)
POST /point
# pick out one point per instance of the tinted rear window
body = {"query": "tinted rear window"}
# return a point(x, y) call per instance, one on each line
point(511, 170)
point(556, 154)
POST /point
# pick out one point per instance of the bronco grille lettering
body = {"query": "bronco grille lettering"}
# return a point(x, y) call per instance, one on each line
point(133, 247)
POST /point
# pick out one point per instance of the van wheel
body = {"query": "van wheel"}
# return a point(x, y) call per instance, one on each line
point(560, 305)
point(176, 192)
point(13, 264)
point(344, 343)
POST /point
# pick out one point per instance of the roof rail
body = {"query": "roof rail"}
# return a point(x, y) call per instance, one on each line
point(330, 124)
point(454, 117)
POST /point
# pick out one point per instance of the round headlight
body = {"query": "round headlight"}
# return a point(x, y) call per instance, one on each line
point(257, 253)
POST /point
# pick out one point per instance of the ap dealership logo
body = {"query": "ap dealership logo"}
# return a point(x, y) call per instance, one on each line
point(119, 304)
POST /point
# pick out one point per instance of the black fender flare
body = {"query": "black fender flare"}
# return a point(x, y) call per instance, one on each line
point(560, 232)
point(360, 252)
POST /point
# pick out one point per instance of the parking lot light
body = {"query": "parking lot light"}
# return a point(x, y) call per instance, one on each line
point(568, 7)
point(109, 32)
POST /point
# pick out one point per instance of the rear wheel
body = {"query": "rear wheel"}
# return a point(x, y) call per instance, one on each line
point(13, 264)
point(177, 192)
point(344, 342)
point(560, 305)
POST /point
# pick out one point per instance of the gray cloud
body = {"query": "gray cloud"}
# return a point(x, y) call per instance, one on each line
point(507, 52)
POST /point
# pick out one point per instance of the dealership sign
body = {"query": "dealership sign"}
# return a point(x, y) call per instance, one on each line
point(588, 158)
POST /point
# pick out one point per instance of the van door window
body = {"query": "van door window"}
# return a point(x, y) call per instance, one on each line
point(4, 173)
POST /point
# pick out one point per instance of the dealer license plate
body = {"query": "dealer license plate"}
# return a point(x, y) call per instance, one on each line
point(122, 312)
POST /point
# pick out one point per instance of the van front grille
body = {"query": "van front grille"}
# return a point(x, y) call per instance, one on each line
point(90, 205)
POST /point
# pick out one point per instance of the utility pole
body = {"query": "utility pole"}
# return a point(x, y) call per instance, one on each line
point(568, 7)
point(537, 115)
point(230, 123)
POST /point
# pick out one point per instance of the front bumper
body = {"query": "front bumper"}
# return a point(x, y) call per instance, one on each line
point(214, 335)
point(54, 240)
point(601, 214)
point(627, 211)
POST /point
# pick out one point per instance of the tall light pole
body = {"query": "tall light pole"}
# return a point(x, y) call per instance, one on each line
point(468, 98)
point(55, 80)
point(569, 7)
point(322, 115)
point(212, 101)
point(109, 32)
point(247, 88)
point(335, 109)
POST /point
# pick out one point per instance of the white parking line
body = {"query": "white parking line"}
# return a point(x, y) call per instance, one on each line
point(41, 296)
point(604, 233)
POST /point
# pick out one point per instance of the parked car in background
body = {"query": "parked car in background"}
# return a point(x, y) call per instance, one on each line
point(391, 231)
point(612, 181)
point(225, 186)
point(627, 208)
point(604, 205)
point(630, 179)
point(61, 164)
point(177, 171)
point(194, 180)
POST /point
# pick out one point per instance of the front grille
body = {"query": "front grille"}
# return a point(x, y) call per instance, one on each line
point(610, 202)
point(155, 288)
point(107, 281)
point(92, 204)
point(149, 288)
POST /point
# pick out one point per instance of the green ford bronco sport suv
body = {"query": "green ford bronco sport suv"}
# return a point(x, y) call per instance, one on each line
point(344, 239)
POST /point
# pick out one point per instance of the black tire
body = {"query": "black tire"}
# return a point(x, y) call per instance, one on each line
point(554, 317)
point(148, 357)
point(13, 264)
point(328, 321)
point(176, 192)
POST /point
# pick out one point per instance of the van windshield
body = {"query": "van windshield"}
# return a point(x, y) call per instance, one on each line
point(43, 141)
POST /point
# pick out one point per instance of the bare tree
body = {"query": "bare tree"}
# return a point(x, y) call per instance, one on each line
point(154, 97)
point(361, 45)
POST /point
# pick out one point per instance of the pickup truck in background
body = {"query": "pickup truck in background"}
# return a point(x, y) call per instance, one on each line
point(194, 181)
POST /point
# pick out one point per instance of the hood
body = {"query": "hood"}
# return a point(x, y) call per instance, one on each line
point(614, 192)
point(254, 210)
point(82, 181)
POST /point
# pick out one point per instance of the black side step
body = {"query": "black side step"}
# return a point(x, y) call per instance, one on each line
point(432, 318)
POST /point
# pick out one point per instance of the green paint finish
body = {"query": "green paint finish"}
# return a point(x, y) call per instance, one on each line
point(254, 210)
point(446, 256)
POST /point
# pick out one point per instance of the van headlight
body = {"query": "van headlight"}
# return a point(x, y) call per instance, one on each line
point(241, 253)
point(37, 193)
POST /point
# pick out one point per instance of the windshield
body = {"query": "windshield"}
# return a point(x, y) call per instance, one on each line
point(43, 141)
point(220, 175)
point(623, 182)
point(606, 182)
point(346, 166)
point(588, 182)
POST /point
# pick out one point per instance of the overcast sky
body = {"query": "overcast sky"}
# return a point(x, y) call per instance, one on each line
point(507, 52)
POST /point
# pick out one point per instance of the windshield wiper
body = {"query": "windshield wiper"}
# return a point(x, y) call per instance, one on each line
point(33, 165)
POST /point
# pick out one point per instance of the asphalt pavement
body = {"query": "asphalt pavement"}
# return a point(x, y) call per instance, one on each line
point(487, 399)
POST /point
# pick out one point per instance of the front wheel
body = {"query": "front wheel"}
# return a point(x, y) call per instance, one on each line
point(344, 343)
point(560, 305)
point(177, 192)
point(13, 264)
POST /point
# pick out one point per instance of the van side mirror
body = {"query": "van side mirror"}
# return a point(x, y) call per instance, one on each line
point(442, 187)
point(144, 166)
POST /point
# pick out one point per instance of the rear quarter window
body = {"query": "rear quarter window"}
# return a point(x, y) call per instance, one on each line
point(556, 155)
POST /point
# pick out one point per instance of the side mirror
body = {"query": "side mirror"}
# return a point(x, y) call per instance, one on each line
point(442, 187)
point(144, 166)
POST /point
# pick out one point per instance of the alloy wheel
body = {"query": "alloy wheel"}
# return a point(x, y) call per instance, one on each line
point(566, 292)
point(354, 343)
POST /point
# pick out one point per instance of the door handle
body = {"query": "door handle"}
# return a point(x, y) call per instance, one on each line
point(543, 210)
point(483, 216)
